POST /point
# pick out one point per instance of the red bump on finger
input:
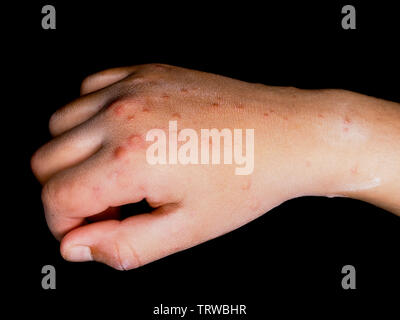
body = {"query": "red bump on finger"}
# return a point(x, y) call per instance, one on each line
point(119, 152)
point(135, 141)
point(118, 109)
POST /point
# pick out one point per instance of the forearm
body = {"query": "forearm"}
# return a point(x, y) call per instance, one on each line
point(376, 160)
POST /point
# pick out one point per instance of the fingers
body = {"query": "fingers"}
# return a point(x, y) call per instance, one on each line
point(104, 78)
point(96, 94)
point(94, 97)
point(88, 189)
point(66, 150)
point(132, 242)
point(77, 112)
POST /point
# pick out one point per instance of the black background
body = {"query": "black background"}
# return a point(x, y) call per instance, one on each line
point(288, 260)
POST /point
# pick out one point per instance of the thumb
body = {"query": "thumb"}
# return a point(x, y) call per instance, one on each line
point(132, 242)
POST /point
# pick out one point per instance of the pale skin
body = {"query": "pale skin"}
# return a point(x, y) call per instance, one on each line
point(307, 142)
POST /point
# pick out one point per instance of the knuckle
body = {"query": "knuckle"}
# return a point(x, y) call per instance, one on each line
point(124, 103)
point(132, 85)
point(149, 77)
point(154, 73)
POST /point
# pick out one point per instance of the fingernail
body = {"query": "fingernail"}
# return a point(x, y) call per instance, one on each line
point(79, 254)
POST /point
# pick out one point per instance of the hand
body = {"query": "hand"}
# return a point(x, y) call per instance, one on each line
point(99, 160)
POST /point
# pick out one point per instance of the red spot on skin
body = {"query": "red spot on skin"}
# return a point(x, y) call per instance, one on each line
point(354, 170)
point(347, 120)
point(184, 90)
point(119, 152)
point(131, 117)
point(135, 141)
point(146, 110)
point(165, 96)
point(265, 115)
point(255, 205)
point(240, 106)
point(119, 109)
point(320, 115)
point(176, 115)
point(285, 117)
point(247, 185)
point(345, 129)
point(215, 104)
point(97, 192)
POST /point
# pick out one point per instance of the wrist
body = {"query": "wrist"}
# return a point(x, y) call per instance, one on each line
point(355, 149)
point(328, 143)
point(379, 157)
